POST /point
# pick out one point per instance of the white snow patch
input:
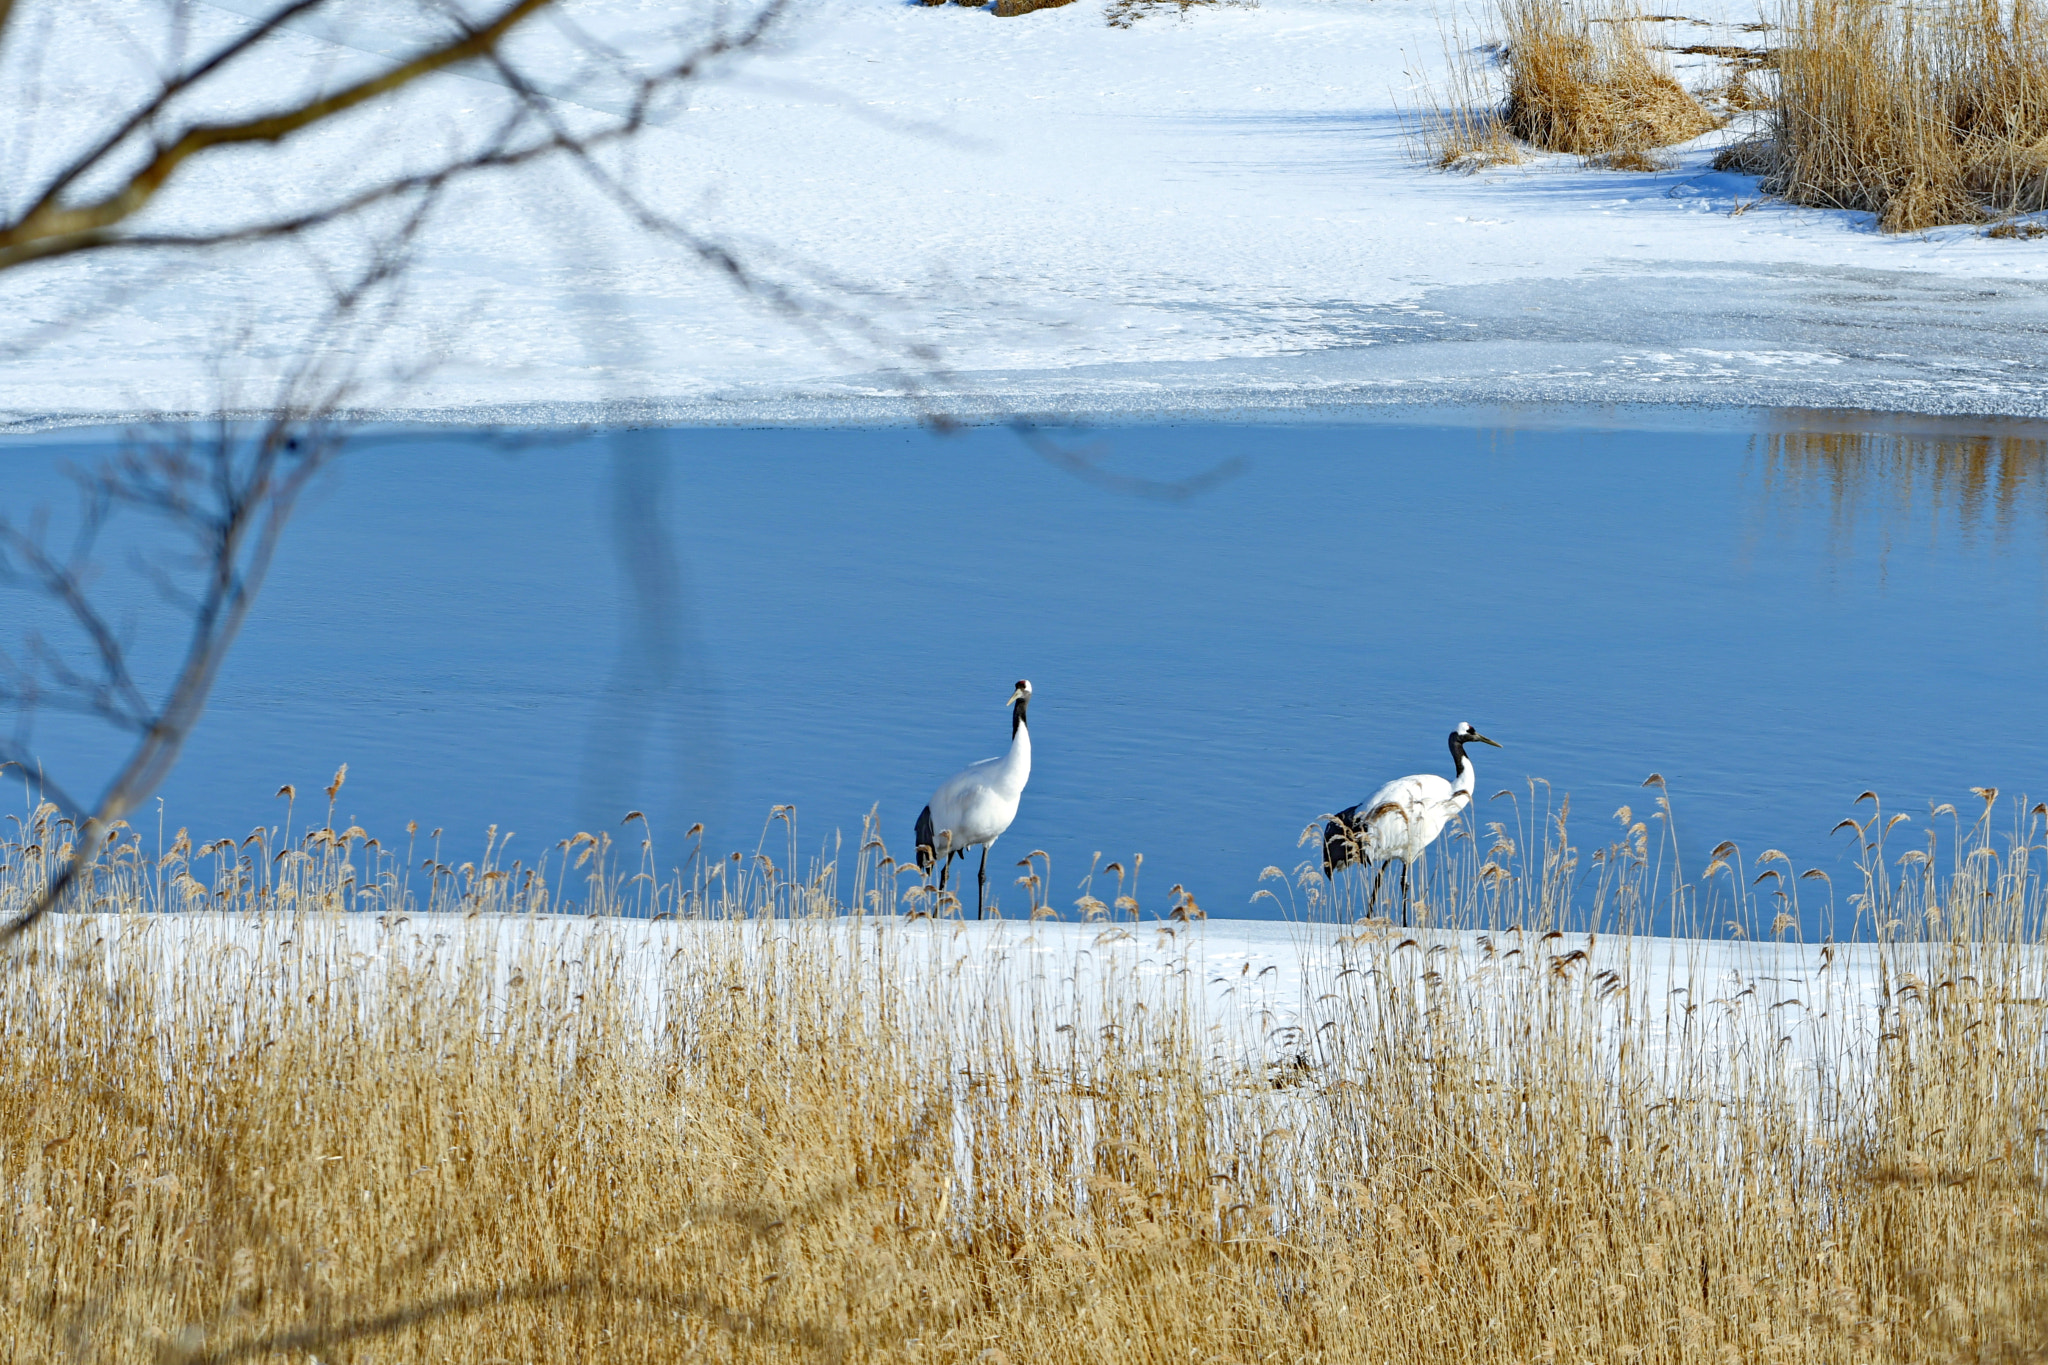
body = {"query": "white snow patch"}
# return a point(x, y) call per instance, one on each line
point(1262, 990)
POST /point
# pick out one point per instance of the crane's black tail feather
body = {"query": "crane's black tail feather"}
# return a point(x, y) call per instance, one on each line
point(925, 856)
point(1341, 839)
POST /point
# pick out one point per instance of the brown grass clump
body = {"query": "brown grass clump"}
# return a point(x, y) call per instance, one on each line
point(2023, 232)
point(778, 1123)
point(1575, 81)
point(1758, 156)
point(1007, 9)
point(1921, 115)
point(1591, 88)
point(1739, 91)
point(1627, 161)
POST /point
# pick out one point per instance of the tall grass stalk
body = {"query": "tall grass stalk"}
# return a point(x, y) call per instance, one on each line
point(1456, 122)
point(762, 1117)
point(1576, 79)
point(1923, 115)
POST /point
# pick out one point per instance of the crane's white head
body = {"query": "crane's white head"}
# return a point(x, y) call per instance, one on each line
point(1465, 734)
point(1023, 692)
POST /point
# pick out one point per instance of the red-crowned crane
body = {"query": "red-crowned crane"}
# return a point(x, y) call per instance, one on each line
point(977, 804)
point(1402, 818)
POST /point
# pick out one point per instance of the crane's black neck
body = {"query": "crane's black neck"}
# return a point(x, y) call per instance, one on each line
point(1017, 716)
point(1458, 759)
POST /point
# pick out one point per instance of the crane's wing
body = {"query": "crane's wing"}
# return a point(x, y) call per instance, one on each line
point(1382, 823)
point(955, 790)
point(1405, 799)
point(1343, 841)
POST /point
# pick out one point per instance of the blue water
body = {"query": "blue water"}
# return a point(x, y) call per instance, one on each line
point(702, 624)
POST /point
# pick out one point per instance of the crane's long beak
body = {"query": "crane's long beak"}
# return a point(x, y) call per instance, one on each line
point(1482, 739)
point(1015, 697)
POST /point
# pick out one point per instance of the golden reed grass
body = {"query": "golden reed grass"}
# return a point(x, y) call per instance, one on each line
point(1456, 124)
point(1578, 79)
point(1588, 84)
point(349, 1107)
point(1923, 115)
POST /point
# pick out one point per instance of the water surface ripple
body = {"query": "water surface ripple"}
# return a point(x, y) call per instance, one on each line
point(702, 623)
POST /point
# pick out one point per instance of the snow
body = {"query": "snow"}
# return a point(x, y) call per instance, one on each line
point(1262, 991)
point(1208, 213)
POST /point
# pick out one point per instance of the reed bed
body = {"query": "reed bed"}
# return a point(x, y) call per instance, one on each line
point(304, 1097)
point(1457, 123)
point(1576, 79)
point(1920, 114)
point(1923, 115)
point(1588, 83)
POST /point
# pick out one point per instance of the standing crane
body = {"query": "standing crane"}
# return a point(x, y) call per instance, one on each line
point(977, 804)
point(1402, 818)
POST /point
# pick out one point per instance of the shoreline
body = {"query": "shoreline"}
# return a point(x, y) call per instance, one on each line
point(1452, 412)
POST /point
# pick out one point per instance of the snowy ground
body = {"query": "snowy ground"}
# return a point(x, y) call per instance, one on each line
point(1263, 991)
point(1213, 212)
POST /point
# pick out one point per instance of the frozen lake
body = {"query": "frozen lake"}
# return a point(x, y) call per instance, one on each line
point(702, 623)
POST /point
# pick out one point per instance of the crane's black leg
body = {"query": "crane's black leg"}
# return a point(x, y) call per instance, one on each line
point(1404, 893)
point(981, 882)
point(1373, 899)
point(927, 845)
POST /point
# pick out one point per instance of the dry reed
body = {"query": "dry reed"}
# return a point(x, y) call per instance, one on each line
point(1576, 80)
point(1457, 124)
point(1588, 84)
point(1921, 115)
point(757, 1128)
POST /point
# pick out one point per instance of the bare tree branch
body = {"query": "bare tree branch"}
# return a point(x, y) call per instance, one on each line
point(170, 90)
point(250, 497)
point(54, 227)
point(26, 562)
point(51, 226)
point(296, 224)
point(230, 496)
point(819, 313)
point(1086, 464)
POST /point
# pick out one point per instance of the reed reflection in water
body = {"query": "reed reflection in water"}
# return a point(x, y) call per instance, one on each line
point(1924, 481)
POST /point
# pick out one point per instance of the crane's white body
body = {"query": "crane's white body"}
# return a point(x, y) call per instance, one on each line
point(977, 804)
point(1404, 817)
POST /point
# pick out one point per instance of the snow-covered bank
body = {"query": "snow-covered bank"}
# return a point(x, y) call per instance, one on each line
point(1214, 213)
point(1261, 992)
